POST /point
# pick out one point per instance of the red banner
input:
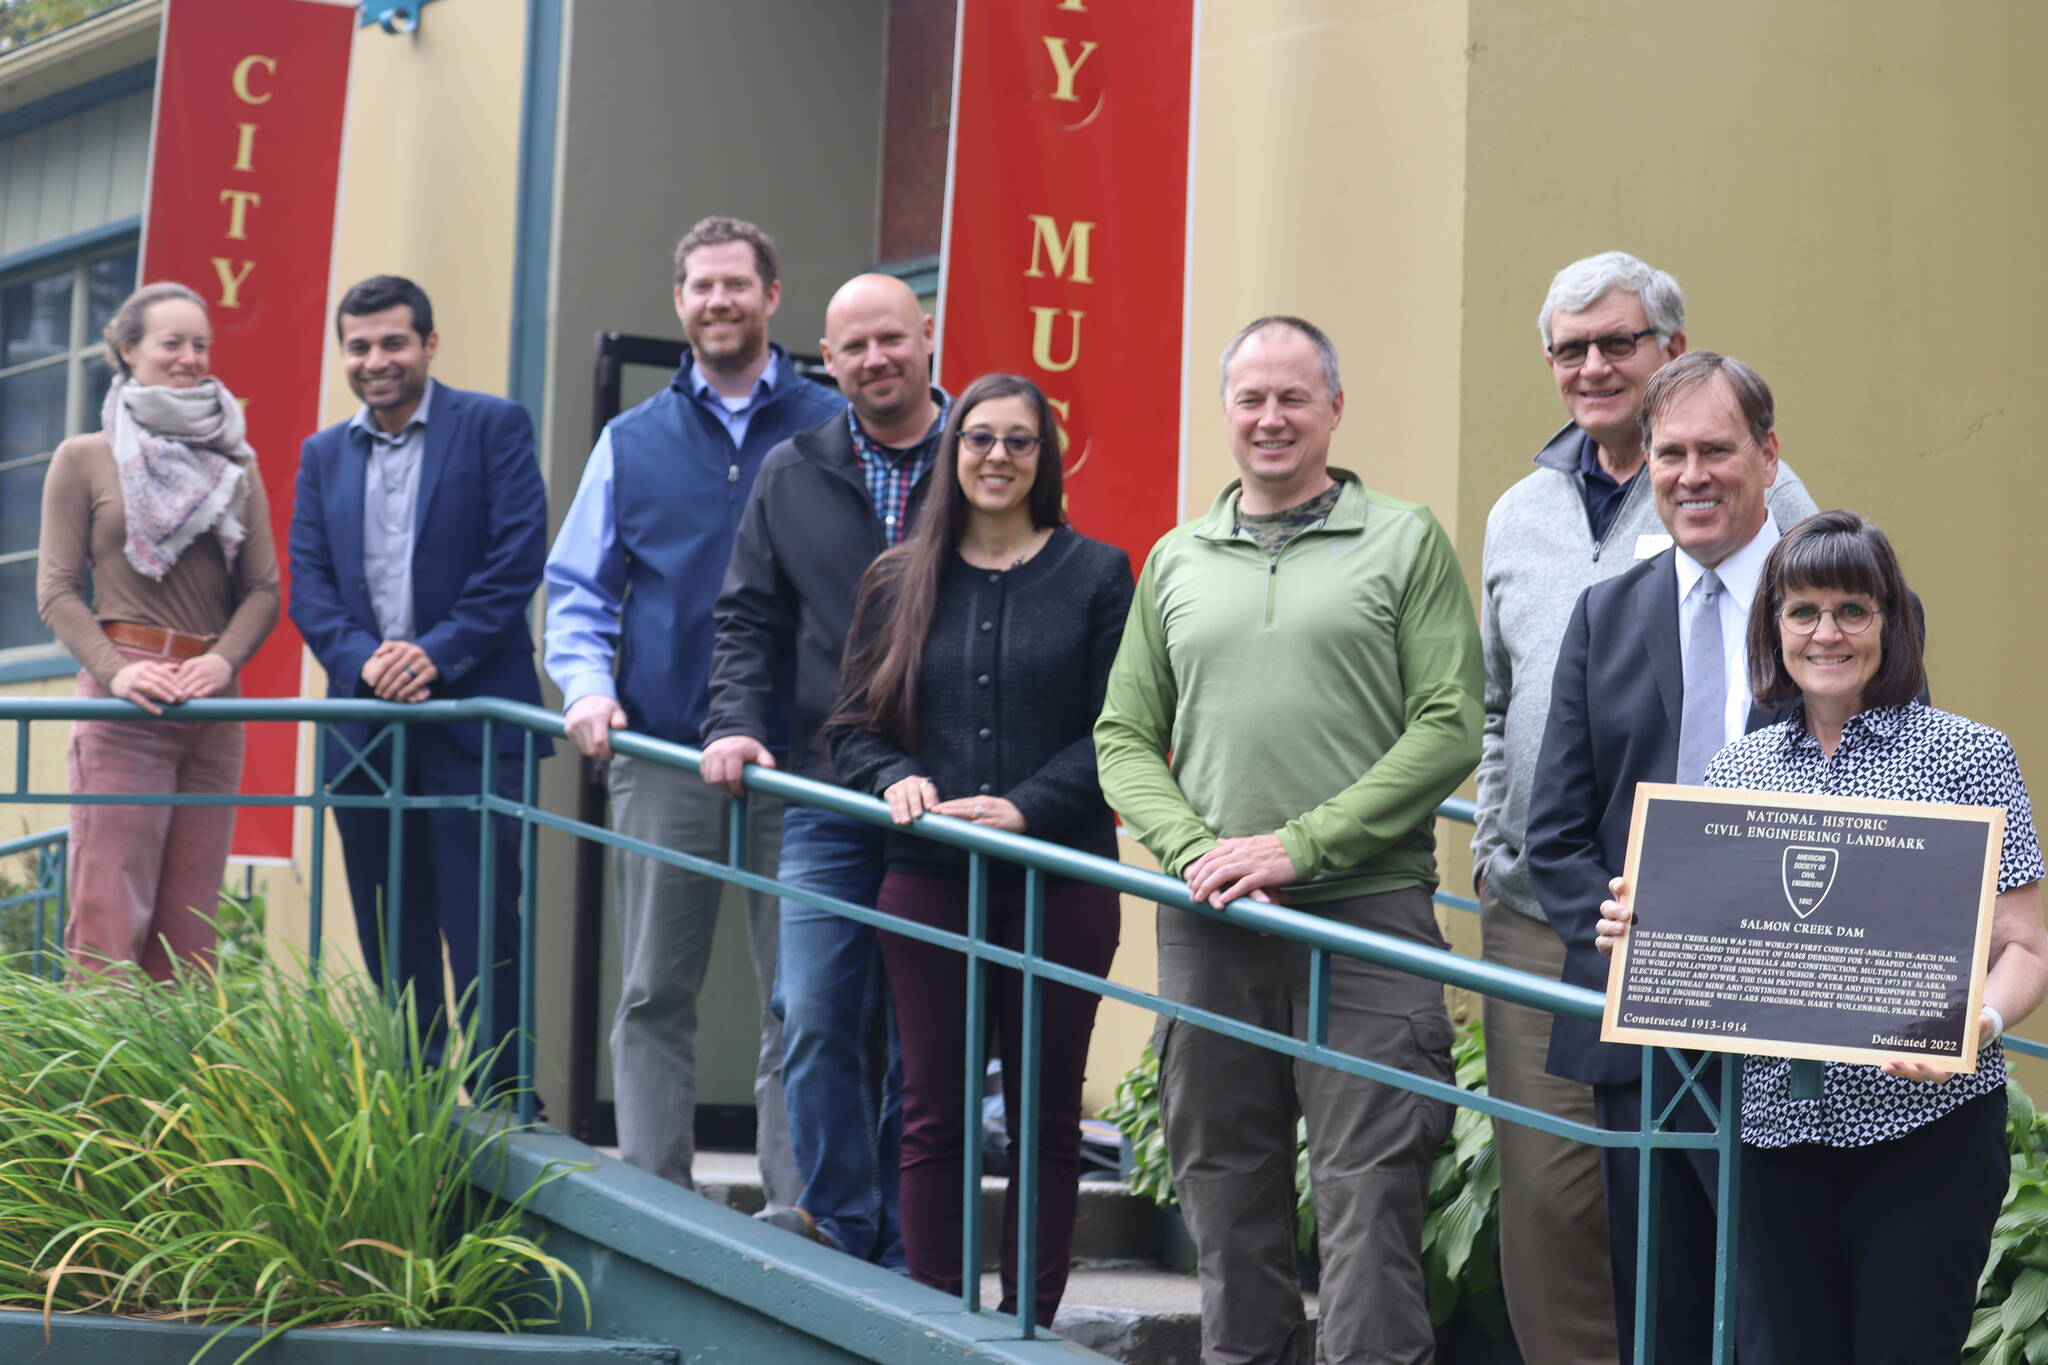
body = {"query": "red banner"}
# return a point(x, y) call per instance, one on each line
point(1066, 236)
point(245, 156)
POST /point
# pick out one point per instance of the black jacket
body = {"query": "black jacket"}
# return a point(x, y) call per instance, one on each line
point(1013, 674)
point(808, 534)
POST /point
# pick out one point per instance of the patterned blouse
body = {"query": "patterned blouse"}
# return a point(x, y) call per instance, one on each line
point(1901, 753)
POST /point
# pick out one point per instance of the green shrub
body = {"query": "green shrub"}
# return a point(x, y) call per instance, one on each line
point(1460, 1234)
point(2011, 1322)
point(246, 1148)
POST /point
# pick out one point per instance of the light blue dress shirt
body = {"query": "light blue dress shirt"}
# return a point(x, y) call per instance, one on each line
point(391, 490)
point(586, 570)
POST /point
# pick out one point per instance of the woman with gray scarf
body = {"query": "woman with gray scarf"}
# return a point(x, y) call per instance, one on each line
point(164, 509)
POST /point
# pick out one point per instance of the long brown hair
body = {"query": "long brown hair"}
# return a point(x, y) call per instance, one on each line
point(900, 592)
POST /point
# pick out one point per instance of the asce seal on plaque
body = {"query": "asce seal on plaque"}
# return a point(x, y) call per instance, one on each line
point(1809, 876)
point(1833, 928)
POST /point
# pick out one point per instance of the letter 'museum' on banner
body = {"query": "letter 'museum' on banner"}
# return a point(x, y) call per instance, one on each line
point(245, 156)
point(1065, 256)
point(1830, 928)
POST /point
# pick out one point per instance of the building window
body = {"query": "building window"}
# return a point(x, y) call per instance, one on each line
point(53, 378)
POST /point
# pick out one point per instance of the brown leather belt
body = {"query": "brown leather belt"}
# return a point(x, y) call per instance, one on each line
point(175, 644)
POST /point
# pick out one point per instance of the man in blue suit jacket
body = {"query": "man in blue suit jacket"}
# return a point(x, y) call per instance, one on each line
point(418, 533)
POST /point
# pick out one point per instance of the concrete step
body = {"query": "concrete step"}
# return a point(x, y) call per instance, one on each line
point(1120, 1300)
point(1135, 1314)
point(1112, 1226)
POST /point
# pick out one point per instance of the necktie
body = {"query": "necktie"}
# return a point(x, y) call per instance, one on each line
point(1702, 728)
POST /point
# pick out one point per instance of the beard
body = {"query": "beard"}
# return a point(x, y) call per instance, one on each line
point(735, 350)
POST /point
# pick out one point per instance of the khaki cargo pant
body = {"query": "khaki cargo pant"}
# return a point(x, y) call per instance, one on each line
point(1229, 1112)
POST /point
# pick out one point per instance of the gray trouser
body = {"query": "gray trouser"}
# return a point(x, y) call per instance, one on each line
point(1229, 1113)
point(1553, 1207)
point(666, 921)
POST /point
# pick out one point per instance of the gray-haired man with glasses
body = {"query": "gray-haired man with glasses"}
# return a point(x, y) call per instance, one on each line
point(1584, 514)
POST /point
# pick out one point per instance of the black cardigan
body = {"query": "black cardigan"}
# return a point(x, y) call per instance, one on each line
point(1013, 677)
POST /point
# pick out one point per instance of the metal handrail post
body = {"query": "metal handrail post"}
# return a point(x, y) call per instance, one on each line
point(1728, 1213)
point(528, 937)
point(394, 873)
point(317, 853)
point(1024, 1161)
point(1319, 997)
point(975, 1065)
point(1649, 1179)
point(486, 899)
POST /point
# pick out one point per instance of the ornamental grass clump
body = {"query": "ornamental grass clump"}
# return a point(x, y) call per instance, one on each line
point(251, 1149)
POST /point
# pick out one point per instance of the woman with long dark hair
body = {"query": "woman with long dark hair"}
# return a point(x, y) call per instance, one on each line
point(974, 672)
point(161, 512)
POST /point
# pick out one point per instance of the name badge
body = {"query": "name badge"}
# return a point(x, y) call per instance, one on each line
point(1650, 546)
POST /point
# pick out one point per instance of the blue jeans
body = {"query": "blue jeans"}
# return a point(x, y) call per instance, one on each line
point(845, 1101)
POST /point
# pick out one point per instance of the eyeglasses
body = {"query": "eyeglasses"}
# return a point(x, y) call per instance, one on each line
point(1569, 355)
point(981, 441)
point(1851, 618)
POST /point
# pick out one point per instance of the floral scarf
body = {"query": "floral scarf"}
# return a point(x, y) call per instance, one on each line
point(184, 468)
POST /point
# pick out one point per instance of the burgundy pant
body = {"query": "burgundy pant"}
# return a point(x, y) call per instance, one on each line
point(145, 880)
point(929, 987)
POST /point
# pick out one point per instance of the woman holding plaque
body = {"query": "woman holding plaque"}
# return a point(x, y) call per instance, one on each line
point(1867, 1213)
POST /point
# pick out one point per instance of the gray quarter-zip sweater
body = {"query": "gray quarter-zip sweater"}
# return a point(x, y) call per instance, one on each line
point(1540, 555)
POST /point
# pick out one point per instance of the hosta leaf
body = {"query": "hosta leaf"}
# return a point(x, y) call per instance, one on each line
point(1984, 1328)
point(2025, 1302)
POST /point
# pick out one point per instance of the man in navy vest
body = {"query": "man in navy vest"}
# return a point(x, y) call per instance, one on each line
point(631, 582)
point(416, 543)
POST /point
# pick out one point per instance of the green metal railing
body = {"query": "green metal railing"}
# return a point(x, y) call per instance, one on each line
point(983, 846)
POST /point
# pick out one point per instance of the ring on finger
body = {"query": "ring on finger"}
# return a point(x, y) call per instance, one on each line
point(979, 811)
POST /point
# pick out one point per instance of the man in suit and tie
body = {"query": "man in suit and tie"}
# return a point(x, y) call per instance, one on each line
point(1651, 681)
point(418, 534)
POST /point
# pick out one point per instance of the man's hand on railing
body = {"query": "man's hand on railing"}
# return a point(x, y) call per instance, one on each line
point(1240, 867)
point(723, 760)
point(590, 722)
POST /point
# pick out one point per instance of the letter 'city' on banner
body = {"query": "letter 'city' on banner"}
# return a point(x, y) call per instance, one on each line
point(1065, 256)
point(1829, 928)
point(245, 155)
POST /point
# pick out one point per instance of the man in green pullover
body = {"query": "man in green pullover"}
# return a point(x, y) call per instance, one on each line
point(1299, 685)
